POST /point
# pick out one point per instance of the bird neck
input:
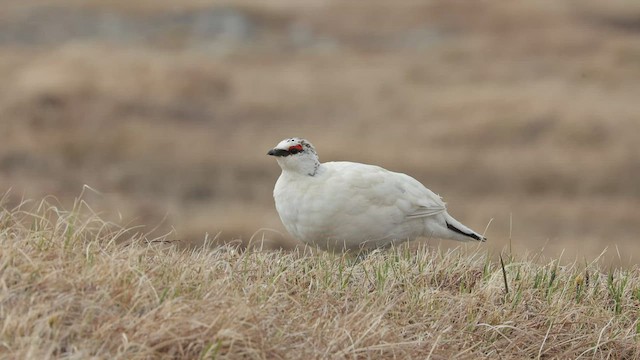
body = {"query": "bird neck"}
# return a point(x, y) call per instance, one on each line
point(308, 165)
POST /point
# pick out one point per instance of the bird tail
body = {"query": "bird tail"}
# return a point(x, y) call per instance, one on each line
point(463, 233)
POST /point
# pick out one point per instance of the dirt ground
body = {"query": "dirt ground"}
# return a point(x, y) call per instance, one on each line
point(527, 113)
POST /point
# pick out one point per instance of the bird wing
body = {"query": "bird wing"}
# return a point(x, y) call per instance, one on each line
point(424, 202)
point(399, 194)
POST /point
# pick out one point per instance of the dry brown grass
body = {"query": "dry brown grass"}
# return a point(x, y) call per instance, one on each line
point(526, 111)
point(74, 286)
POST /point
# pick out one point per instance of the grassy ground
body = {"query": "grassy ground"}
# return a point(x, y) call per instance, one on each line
point(74, 286)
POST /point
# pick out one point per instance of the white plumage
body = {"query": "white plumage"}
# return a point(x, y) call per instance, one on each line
point(341, 206)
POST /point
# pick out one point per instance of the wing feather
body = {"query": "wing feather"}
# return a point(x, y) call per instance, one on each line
point(424, 211)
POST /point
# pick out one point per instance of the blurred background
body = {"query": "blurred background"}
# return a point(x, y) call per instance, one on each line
point(527, 113)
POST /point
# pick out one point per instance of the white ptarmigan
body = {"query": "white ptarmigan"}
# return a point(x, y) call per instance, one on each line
point(341, 206)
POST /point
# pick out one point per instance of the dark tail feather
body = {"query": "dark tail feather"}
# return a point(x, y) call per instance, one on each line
point(473, 236)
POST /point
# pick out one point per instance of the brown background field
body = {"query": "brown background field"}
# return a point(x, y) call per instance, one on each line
point(527, 111)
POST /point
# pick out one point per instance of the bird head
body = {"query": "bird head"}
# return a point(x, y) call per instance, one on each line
point(296, 154)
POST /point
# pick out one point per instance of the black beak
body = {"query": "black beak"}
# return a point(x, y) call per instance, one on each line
point(278, 152)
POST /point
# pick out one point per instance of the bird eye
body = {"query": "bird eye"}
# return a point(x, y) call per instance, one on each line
point(295, 149)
